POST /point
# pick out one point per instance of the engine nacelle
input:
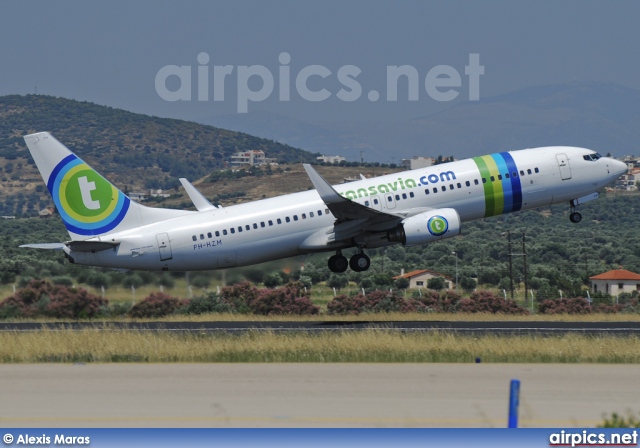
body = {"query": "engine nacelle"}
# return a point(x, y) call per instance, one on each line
point(426, 227)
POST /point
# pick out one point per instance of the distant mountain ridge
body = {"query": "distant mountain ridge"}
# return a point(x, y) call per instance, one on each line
point(122, 144)
point(597, 115)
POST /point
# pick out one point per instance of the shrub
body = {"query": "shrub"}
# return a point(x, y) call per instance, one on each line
point(375, 301)
point(487, 302)
point(272, 280)
point(240, 296)
point(211, 302)
point(436, 283)
point(201, 281)
point(62, 280)
point(565, 305)
point(157, 304)
point(41, 298)
point(290, 299)
point(132, 280)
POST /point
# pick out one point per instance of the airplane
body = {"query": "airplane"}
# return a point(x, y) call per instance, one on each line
point(413, 207)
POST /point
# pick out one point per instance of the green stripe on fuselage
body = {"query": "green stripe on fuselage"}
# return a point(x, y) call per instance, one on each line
point(488, 188)
point(493, 190)
point(498, 192)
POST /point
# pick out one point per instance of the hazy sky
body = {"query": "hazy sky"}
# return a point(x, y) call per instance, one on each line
point(110, 52)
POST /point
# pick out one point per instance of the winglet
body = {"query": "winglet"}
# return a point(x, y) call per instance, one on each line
point(324, 189)
point(198, 199)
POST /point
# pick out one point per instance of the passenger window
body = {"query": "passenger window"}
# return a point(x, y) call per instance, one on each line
point(397, 197)
point(286, 218)
point(255, 226)
point(311, 213)
point(375, 201)
point(537, 170)
point(514, 174)
point(295, 217)
point(435, 189)
point(493, 179)
point(467, 183)
point(261, 223)
point(270, 222)
point(209, 235)
point(451, 187)
point(411, 194)
point(484, 180)
point(279, 221)
point(444, 188)
point(195, 238)
point(475, 181)
point(499, 176)
point(529, 171)
point(366, 203)
point(319, 212)
point(233, 230)
point(506, 175)
point(201, 236)
point(522, 172)
point(304, 216)
point(217, 233)
point(239, 228)
point(426, 191)
point(390, 198)
point(404, 195)
point(224, 231)
point(459, 186)
point(247, 227)
point(326, 210)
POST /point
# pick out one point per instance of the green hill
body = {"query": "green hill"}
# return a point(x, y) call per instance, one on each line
point(134, 151)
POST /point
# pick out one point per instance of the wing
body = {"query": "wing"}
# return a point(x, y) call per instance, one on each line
point(345, 209)
point(354, 221)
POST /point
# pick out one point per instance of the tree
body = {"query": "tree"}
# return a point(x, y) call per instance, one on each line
point(436, 283)
point(467, 283)
point(337, 281)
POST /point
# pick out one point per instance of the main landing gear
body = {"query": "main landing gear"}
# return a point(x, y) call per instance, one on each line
point(359, 262)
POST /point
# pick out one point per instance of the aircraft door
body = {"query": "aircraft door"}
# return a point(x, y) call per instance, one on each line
point(563, 164)
point(164, 246)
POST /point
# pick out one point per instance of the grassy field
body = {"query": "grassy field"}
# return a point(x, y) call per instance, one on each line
point(367, 346)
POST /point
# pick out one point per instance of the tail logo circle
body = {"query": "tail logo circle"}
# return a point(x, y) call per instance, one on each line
point(437, 225)
point(87, 203)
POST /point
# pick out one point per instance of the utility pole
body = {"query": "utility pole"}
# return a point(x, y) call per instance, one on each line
point(510, 264)
point(524, 256)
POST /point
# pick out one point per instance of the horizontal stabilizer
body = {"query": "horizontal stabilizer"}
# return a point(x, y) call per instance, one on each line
point(202, 204)
point(90, 246)
point(48, 246)
point(78, 246)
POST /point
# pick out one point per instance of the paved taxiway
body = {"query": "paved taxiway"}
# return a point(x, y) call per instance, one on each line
point(473, 327)
point(311, 395)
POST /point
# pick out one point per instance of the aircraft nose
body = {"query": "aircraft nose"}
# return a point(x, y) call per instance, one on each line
point(619, 168)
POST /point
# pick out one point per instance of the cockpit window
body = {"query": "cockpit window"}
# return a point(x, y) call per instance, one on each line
point(592, 157)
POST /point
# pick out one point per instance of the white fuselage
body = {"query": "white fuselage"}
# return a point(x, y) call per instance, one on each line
point(276, 228)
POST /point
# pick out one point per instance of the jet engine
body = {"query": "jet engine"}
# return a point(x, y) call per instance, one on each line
point(426, 227)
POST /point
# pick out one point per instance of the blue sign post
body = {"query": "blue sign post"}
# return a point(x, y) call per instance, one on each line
point(514, 401)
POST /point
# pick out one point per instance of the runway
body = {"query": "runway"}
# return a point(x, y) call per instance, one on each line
point(312, 395)
point(460, 327)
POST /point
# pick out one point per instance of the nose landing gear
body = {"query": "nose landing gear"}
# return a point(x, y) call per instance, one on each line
point(575, 217)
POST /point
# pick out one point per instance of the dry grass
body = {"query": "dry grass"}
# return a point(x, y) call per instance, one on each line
point(365, 346)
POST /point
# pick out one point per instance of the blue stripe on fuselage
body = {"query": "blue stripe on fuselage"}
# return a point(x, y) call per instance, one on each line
point(516, 186)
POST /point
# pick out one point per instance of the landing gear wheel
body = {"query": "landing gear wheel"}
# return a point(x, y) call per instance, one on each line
point(359, 262)
point(575, 217)
point(338, 263)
